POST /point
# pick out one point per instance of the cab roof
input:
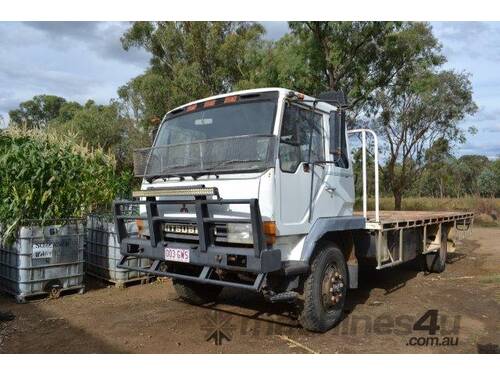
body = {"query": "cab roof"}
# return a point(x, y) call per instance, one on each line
point(281, 90)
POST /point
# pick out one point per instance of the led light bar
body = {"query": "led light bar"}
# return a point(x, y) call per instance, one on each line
point(208, 191)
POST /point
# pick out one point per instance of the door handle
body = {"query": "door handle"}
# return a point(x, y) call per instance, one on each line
point(330, 189)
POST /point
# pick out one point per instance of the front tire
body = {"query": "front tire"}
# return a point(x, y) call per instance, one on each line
point(196, 293)
point(325, 290)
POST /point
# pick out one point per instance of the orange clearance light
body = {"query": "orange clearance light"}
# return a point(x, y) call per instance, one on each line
point(191, 108)
point(209, 103)
point(140, 226)
point(269, 229)
point(230, 99)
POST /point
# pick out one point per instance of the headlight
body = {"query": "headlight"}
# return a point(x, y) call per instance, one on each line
point(239, 233)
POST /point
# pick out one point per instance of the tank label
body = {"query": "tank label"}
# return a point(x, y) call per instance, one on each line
point(42, 250)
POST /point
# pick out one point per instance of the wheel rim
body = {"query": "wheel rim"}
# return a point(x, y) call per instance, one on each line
point(333, 288)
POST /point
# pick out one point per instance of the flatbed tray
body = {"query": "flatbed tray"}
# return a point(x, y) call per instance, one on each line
point(401, 219)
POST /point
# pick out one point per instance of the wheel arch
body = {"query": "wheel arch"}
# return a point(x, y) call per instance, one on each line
point(336, 230)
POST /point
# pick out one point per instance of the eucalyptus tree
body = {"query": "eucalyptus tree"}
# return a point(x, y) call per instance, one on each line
point(37, 112)
point(414, 113)
point(189, 60)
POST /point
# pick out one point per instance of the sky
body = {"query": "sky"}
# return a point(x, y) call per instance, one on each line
point(85, 60)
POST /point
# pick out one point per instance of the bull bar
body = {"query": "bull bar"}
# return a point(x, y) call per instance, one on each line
point(258, 259)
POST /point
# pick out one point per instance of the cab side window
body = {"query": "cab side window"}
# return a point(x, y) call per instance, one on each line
point(338, 144)
point(301, 138)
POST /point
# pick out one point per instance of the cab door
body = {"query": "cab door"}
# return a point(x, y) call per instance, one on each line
point(302, 143)
point(339, 180)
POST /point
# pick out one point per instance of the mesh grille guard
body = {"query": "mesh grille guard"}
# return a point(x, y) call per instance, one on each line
point(244, 153)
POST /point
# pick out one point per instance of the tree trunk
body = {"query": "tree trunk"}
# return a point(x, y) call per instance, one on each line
point(397, 200)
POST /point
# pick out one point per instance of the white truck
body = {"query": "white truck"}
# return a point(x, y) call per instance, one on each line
point(255, 189)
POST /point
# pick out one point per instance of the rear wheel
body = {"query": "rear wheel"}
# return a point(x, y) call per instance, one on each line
point(436, 262)
point(324, 290)
point(196, 293)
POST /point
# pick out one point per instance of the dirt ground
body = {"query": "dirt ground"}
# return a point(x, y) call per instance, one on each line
point(379, 316)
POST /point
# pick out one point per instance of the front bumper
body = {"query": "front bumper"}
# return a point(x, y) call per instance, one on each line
point(204, 252)
point(214, 256)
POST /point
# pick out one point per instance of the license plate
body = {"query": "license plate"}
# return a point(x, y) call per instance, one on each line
point(177, 255)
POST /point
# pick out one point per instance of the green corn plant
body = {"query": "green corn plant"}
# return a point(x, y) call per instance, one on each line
point(45, 177)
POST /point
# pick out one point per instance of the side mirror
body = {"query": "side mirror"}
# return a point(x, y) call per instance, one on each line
point(338, 142)
point(337, 98)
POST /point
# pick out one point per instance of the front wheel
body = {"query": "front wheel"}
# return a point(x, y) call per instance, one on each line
point(325, 290)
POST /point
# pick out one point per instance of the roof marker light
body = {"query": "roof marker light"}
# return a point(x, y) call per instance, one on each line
point(209, 103)
point(230, 99)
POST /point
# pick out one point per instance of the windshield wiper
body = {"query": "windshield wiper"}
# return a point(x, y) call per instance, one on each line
point(168, 171)
point(233, 161)
point(180, 166)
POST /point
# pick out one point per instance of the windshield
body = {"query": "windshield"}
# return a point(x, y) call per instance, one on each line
point(222, 138)
point(219, 122)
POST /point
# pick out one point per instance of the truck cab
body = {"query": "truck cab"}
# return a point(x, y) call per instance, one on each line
point(253, 189)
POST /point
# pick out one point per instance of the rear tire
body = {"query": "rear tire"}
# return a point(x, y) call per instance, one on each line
point(196, 293)
point(436, 262)
point(325, 290)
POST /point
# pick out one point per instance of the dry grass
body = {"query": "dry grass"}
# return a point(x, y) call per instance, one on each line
point(491, 279)
point(486, 210)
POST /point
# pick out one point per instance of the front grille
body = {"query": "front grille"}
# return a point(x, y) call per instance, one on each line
point(175, 228)
point(191, 229)
point(180, 232)
point(188, 232)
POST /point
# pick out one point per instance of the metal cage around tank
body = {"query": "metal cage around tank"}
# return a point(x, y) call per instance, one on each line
point(102, 252)
point(43, 259)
